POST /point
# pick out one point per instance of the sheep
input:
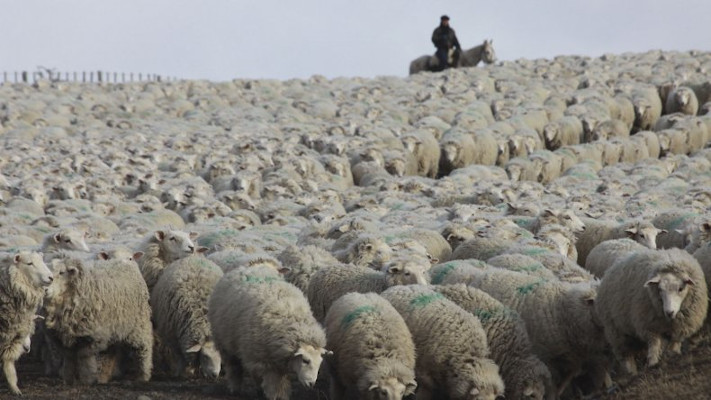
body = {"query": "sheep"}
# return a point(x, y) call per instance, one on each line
point(456, 271)
point(647, 108)
point(263, 326)
point(303, 262)
point(549, 254)
point(452, 353)
point(560, 319)
point(677, 227)
point(651, 296)
point(424, 146)
point(521, 263)
point(160, 249)
point(400, 163)
point(682, 99)
point(366, 250)
point(456, 234)
point(597, 231)
point(565, 131)
point(373, 352)
point(604, 255)
point(69, 239)
point(438, 249)
point(330, 283)
point(559, 237)
point(481, 248)
point(91, 308)
point(457, 151)
point(23, 279)
point(566, 218)
point(525, 376)
point(179, 304)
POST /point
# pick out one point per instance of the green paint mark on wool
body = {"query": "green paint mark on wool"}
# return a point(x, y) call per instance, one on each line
point(675, 223)
point(353, 315)
point(425, 299)
point(257, 279)
point(535, 252)
point(444, 271)
point(526, 289)
point(529, 268)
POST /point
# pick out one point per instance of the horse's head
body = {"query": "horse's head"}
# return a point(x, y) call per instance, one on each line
point(488, 55)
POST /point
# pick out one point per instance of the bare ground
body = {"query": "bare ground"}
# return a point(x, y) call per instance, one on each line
point(685, 377)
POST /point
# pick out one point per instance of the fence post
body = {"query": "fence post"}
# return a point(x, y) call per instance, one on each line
point(4, 77)
point(24, 76)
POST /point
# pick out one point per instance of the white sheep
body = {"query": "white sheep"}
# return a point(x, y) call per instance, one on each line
point(92, 307)
point(423, 145)
point(373, 351)
point(160, 249)
point(69, 239)
point(651, 296)
point(23, 279)
point(677, 227)
point(263, 326)
point(521, 263)
point(682, 99)
point(330, 283)
point(367, 251)
point(525, 376)
point(565, 131)
point(179, 305)
point(597, 231)
point(560, 319)
point(303, 262)
point(604, 255)
point(452, 353)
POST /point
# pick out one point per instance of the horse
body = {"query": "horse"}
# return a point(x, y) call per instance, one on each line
point(431, 63)
point(483, 52)
point(468, 58)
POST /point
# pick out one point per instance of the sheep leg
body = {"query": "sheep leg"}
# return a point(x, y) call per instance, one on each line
point(675, 347)
point(654, 351)
point(86, 365)
point(69, 371)
point(8, 367)
point(630, 365)
point(234, 372)
point(424, 393)
point(143, 350)
point(566, 381)
point(276, 386)
point(106, 366)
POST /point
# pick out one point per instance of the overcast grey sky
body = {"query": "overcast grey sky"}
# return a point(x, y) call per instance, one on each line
point(227, 39)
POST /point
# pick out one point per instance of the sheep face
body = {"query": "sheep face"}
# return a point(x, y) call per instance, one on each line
point(27, 344)
point(371, 253)
point(306, 363)
point(475, 379)
point(396, 167)
point(176, 244)
point(71, 239)
point(33, 268)
point(390, 389)
point(571, 221)
point(209, 358)
point(450, 151)
point(669, 289)
point(407, 271)
point(645, 235)
point(533, 389)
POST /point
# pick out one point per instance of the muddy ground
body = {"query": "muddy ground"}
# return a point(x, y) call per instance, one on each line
point(687, 377)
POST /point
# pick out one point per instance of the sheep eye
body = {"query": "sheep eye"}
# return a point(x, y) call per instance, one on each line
point(681, 289)
point(67, 240)
point(642, 235)
point(407, 274)
point(173, 239)
point(30, 263)
point(305, 361)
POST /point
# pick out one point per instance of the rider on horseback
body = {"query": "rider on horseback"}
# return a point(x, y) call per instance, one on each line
point(444, 40)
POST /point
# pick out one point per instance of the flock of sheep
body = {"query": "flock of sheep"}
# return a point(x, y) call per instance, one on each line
point(535, 229)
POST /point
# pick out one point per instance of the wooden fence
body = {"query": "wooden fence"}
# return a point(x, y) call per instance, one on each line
point(84, 77)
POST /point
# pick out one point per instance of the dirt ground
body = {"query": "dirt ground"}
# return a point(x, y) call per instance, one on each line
point(686, 377)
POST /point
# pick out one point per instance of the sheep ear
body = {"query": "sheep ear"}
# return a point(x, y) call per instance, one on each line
point(373, 386)
point(103, 255)
point(368, 246)
point(193, 235)
point(706, 227)
point(201, 249)
point(394, 269)
point(160, 235)
point(662, 231)
point(326, 353)
point(631, 231)
point(689, 281)
point(137, 255)
point(433, 260)
point(679, 231)
point(528, 392)
point(511, 208)
point(548, 213)
point(653, 281)
point(410, 388)
point(474, 392)
point(57, 237)
point(194, 349)
point(284, 270)
point(16, 259)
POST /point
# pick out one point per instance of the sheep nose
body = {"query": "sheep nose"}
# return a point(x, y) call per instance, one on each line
point(671, 314)
point(191, 249)
point(50, 278)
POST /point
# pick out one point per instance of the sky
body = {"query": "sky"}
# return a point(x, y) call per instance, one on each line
point(221, 40)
